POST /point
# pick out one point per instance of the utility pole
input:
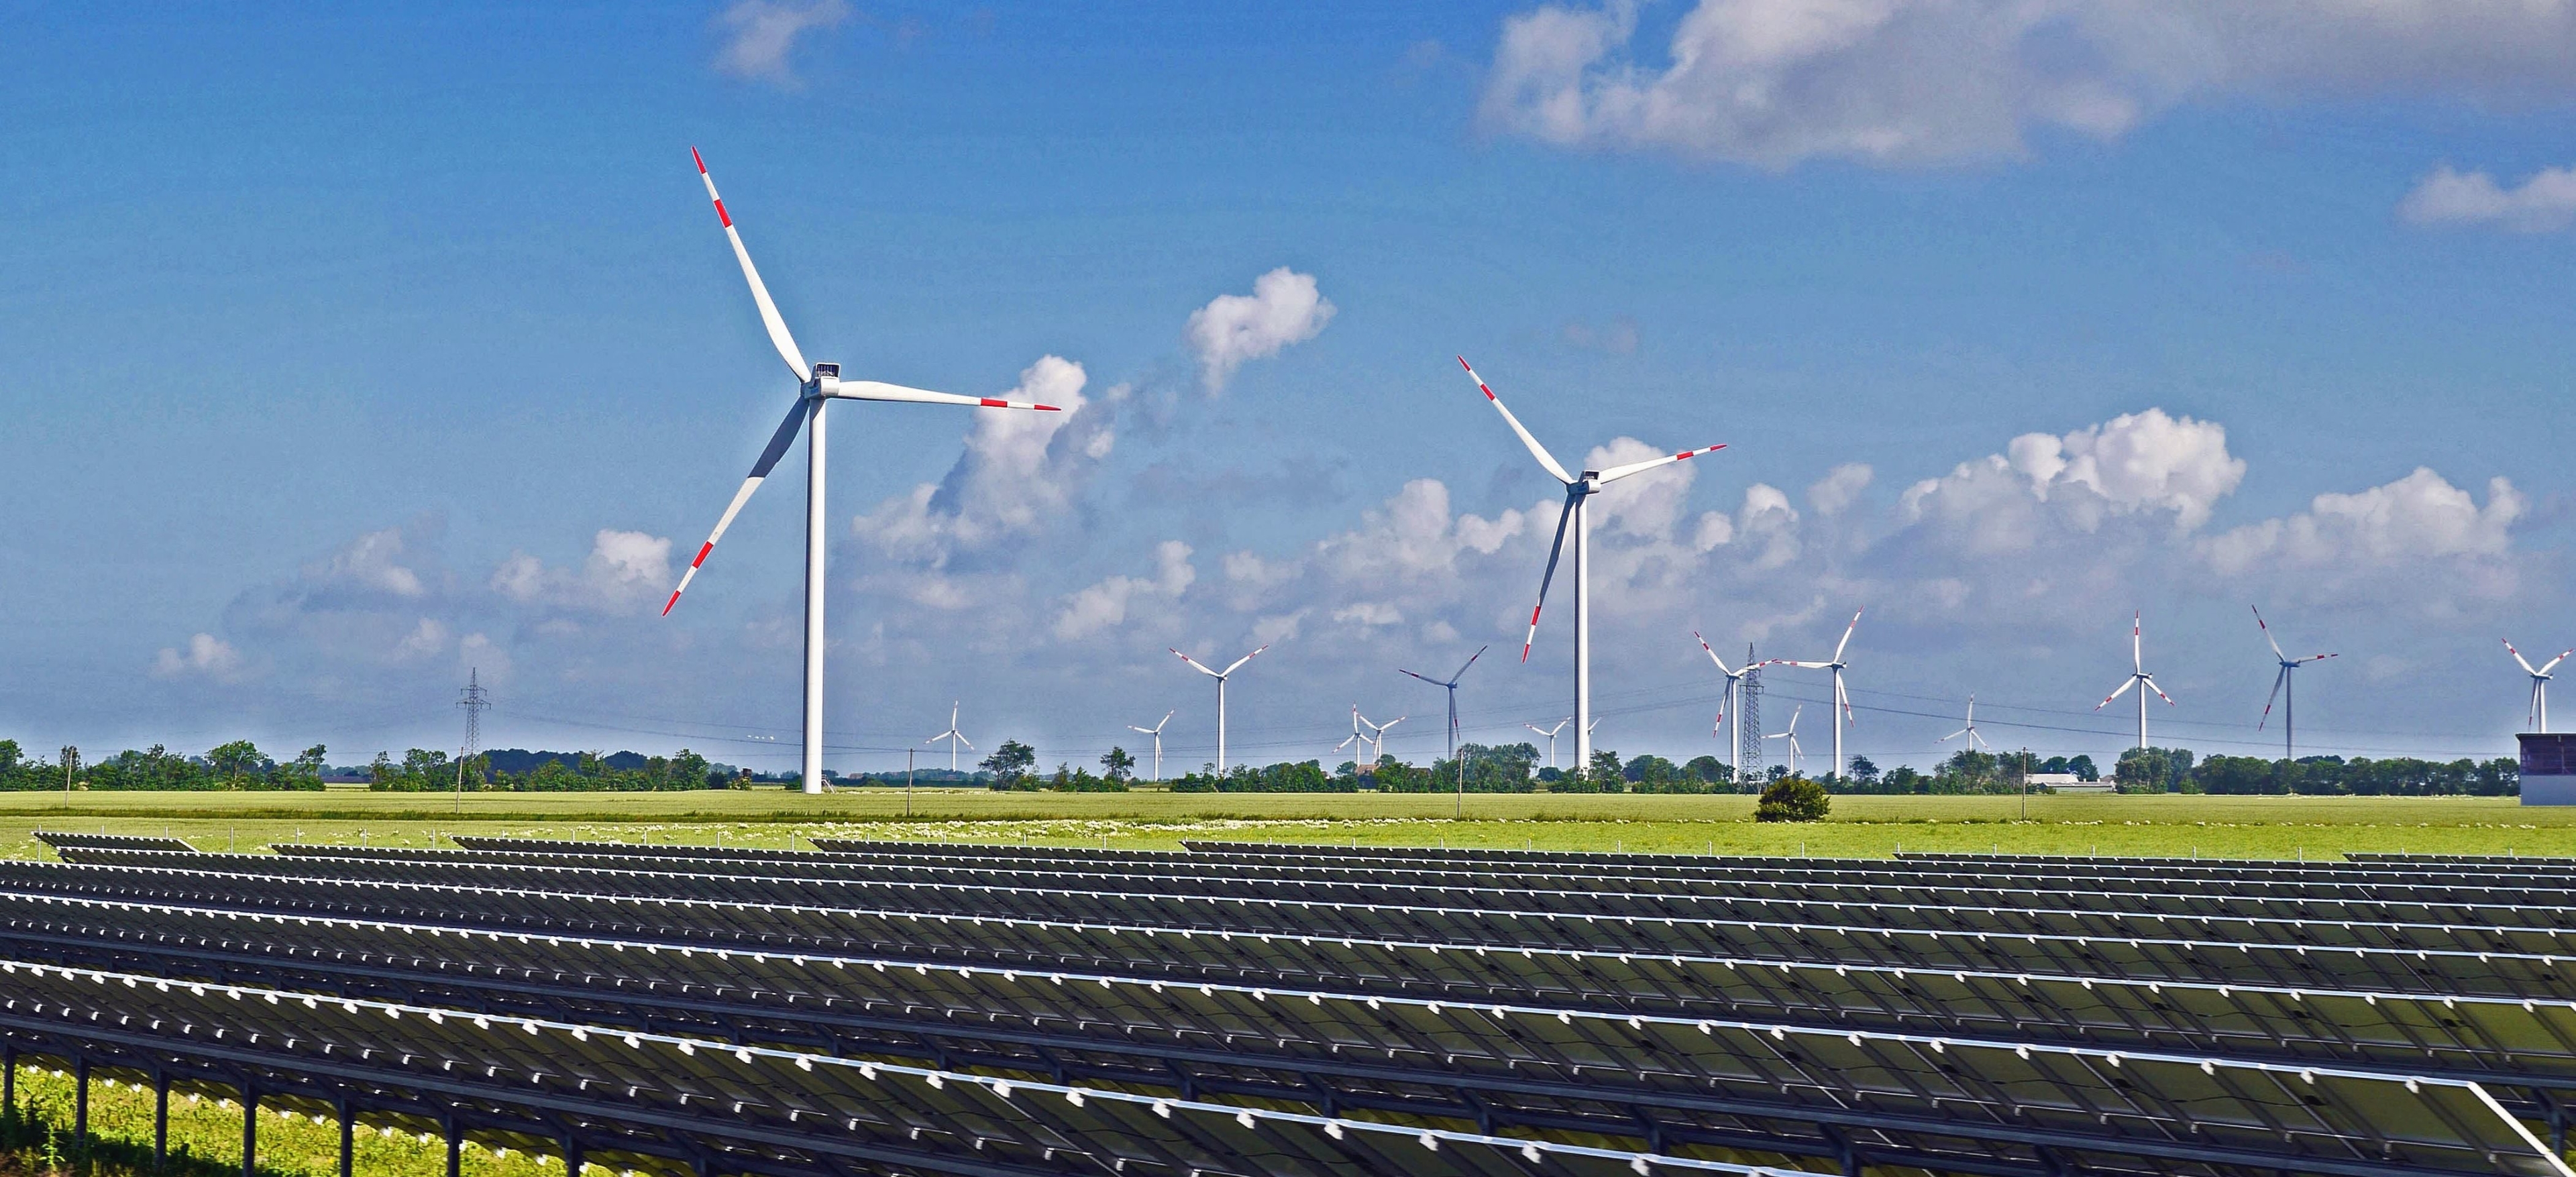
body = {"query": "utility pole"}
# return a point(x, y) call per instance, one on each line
point(2025, 784)
point(1748, 724)
point(71, 764)
point(907, 783)
point(472, 700)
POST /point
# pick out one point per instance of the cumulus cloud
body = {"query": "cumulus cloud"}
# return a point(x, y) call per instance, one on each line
point(1020, 471)
point(1927, 82)
point(203, 655)
point(1839, 488)
point(760, 35)
point(374, 562)
point(1104, 605)
point(2419, 522)
point(1283, 308)
point(2147, 463)
point(625, 571)
point(2544, 203)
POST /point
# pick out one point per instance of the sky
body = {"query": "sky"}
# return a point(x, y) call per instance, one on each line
point(351, 350)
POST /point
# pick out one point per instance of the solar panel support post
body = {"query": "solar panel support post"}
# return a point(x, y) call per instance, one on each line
point(455, 1145)
point(9, 1083)
point(572, 1158)
point(80, 1105)
point(160, 1120)
point(250, 1130)
point(348, 1138)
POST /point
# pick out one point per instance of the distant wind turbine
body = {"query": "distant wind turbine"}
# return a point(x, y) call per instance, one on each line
point(1578, 492)
point(953, 736)
point(1451, 684)
point(1156, 731)
point(2284, 688)
point(1377, 742)
point(2138, 674)
point(2539, 685)
point(1842, 702)
point(1729, 700)
point(1791, 735)
point(1969, 731)
point(1220, 677)
point(1550, 733)
point(1356, 739)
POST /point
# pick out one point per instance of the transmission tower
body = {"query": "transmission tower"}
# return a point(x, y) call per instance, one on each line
point(473, 699)
point(1748, 722)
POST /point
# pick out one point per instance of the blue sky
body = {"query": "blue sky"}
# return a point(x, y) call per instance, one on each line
point(348, 350)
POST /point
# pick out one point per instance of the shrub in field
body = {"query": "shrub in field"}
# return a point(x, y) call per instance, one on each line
point(1793, 799)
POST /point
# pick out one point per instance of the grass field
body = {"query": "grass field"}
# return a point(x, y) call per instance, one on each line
point(2177, 825)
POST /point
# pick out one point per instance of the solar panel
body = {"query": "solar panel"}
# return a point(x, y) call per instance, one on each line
point(62, 839)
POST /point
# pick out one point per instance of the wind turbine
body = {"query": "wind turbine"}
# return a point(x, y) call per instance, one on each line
point(1377, 743)
point(953, 736)
point(816, 385)
point(2539, 685)
point(1356, 739)
point(1220, 677)
point(1452, 685)
point(1727, 701)
point(1842, 702)
point(1791, 735)
point(2284, 688)
point(1969, 731)
point(2138, 674)
point(1550, 733)
point(1578, 491)
point(1156, 731)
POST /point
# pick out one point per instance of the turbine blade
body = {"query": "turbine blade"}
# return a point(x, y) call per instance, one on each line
point(1195, 665)
point(2124, 689)
point(2267, 634)
point(874, 390)
point(1554, 550)
point(1433, 681)
point(2138, 643)
point(1800, 665)
point(2268, 700)
point(1615, 473)
point(1712, 654)
point(1536, 450)
point(1238, 663)
point(1847, 632)
point(2150, 680)
point(769, 317)
point(2317, 658)
point(768, 460)
point(1952, 736)
point(2552, 664)
point(1462, 667)
point(2517, 656)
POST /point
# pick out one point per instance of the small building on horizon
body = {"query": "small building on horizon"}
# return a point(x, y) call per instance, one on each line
point(2548, 768)
point(2067, 782)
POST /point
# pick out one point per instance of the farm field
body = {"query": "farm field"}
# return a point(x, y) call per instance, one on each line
point(2175, 825)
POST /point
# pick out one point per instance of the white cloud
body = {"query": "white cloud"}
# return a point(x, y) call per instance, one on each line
point(1283, 308)
point(1839, 488)
point(625, 571)
point(203, 654)
point(760, 35)
point(2136, 464)
point(374, 562)
point(425, 639)
point(2418, 535)
point(1104, 605)
point(1917, 82)
point(1020, 471)
point(2544, 203)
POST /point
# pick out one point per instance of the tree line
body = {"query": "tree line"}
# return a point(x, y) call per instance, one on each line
point(238, 765)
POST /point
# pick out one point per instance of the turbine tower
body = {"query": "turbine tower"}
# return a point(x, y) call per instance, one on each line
point(1969, 731)
point(1451, 683)
point(2138, 674)
point(953, 736)
point(2284, 688)
point(1377, 742)
point(816, 385)
point(1842, 702)
point(1356, 739)
point(1156, 731)
point(2539, 685)
point(1550, 733)
point(1578, 491)
point(1791, 735)
point(1728, 700)
point(1220, 676)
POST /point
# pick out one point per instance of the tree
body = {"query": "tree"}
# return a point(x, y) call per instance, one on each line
point(1709, 770)
point(1119, 764)
point(1793, 799)
point(1863, 771)
point(1904, 779)
point(1009, 763)
point(234, 761)
point(2082, 767)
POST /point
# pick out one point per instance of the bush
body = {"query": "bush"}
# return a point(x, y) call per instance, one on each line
point(1793, 799)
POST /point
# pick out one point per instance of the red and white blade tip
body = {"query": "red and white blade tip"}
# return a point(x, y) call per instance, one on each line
point(1480, 381)
point(1532, 639)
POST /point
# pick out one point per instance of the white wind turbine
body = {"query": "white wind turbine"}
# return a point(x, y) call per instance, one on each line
point(2284, 688)
point(953, 736)
point(1726, 702)
point(2138, 674)
point(1843, 714)
point(1356, 739)
point(1451, 683)
point(1791, 735)
point(1578, 491)
point(1156, 731)
point(1550, 733)
point(2539, 685)
point(1969, 731)
point(1377, 742)
point(817, 385)
point(1220, 676)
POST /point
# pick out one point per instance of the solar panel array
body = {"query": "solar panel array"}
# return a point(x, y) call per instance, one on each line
point(1255, 1010)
